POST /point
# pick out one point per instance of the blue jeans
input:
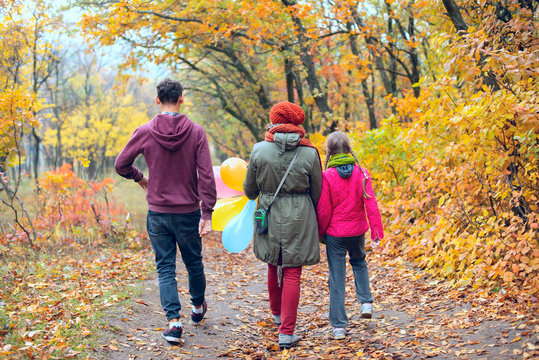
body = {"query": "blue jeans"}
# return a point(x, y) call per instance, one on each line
point(336, 248)
point(166, 230)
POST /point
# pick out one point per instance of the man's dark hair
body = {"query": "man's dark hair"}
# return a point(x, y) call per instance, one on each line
point(169, 91)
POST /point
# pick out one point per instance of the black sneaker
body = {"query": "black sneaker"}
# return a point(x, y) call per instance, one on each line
point(173, 335)
point(196, 319)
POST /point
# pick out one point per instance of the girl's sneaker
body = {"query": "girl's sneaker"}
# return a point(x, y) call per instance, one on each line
point(287, 341)
point(366, 310)
point(277, 319)
point(339, 333)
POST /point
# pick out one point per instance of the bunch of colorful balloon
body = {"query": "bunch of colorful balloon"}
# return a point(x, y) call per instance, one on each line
point(233, 213)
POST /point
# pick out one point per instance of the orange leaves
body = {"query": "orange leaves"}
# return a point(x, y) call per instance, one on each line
point(140, 301)
point(113, 347)
point(71, 208)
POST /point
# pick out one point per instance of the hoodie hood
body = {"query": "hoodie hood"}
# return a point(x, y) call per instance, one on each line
point(286, 141)
point(345, 171)
point(171, 132)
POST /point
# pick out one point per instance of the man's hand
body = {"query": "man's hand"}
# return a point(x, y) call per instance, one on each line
point(143, 183)
point(375, 245)
point(204, 227)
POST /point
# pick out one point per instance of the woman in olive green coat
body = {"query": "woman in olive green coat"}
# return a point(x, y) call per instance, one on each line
point(292, 238)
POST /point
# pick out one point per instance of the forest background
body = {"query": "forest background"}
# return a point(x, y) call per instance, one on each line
point(440, 99)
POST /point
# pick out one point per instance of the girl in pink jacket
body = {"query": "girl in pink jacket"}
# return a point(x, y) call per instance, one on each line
point(346, 203)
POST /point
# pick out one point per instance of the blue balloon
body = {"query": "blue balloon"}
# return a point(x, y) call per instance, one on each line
point(239, 231)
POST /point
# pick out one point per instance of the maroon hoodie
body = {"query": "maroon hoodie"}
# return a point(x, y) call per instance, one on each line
point(179, 163)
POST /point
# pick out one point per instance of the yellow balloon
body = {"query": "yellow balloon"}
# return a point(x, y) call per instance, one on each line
point(225, 210)
point(233, 171)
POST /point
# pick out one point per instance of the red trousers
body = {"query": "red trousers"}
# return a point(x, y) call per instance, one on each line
point(284, 300)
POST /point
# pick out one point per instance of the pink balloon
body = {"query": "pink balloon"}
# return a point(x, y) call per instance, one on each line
point(223, 191)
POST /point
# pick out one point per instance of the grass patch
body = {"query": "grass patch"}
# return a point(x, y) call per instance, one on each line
point(125, 193)
point(133, 199)
point(26, 193)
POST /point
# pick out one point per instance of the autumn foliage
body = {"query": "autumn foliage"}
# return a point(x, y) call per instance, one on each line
point(440, 99)
point(73, 210)
point(457, 168)
point(17, 103)
point(73, 207)
point(84, 257)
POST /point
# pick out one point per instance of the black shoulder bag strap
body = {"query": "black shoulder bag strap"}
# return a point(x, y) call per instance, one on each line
point(283, 179)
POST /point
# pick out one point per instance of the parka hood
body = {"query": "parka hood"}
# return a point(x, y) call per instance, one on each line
point(286, 141)
point(171, 132)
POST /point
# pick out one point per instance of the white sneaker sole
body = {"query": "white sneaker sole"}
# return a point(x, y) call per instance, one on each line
point(171, 339)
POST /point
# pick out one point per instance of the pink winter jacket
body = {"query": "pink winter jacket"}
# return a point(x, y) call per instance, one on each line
point(342, 211)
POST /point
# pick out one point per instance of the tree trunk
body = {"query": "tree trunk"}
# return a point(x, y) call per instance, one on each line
point(369, 98)
point(92, 166)
point(414, 60)
point(289, 79)
point(392, 61)
point(37, 146)
point(58, 157)
point(370, 104)
point(307, 59)
point(299, 89)
point(389, 82)
point(456, 18)
point(301, 100)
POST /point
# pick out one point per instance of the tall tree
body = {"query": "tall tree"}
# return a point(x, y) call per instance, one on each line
point(43, 62)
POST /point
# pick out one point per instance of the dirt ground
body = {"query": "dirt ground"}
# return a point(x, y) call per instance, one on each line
point(415, 317)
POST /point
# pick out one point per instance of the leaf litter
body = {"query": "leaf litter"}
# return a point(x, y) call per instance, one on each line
point(416, 316)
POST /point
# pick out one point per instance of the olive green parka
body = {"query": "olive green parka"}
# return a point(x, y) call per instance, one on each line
point(293, 229)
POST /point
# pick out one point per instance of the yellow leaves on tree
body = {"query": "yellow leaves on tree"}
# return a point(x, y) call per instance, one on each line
point(100, 124)
point(16, 117)
point(17, 103)
point(456, 169)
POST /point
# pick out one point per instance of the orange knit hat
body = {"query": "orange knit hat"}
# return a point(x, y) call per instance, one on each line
point(287, 113)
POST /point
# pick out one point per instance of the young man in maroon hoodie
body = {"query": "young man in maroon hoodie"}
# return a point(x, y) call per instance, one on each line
point(180, 191)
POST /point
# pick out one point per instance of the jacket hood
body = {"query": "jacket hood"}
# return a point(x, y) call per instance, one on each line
point(286, 141)
point(345, 171)
point(171, 132)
